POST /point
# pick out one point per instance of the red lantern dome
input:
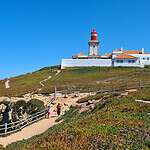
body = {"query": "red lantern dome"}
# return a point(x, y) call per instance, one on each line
point(94, 35)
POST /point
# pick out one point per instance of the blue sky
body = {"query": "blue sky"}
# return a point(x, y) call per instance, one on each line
point(38, 33)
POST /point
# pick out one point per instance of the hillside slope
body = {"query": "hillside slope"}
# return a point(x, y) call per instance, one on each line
point(88, 78)
point(115, 123)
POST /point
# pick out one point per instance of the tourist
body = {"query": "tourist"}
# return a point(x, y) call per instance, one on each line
point(48, 111)
point(58, 109)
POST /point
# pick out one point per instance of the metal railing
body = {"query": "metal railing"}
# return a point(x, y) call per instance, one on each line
point(8, 128)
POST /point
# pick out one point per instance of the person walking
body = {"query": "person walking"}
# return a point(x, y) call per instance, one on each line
point(58, 109)
point(48, 112)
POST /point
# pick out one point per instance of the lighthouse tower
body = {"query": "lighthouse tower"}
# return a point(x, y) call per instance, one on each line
point(94, 44)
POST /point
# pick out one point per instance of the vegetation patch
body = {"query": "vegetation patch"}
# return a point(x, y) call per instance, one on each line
point(116, 122)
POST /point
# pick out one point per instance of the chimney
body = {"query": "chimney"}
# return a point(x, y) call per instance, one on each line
point(142, 50)
point(121, 49)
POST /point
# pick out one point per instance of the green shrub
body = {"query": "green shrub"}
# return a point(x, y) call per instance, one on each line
point(20, 103)
point(6, 103)
point(93, 97)
point(35, 105)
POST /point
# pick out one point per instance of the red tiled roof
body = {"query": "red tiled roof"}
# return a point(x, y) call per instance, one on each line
point(124, 56)
point(107, 54)
point(117, 50)
point(132, 52)
point(80, 54)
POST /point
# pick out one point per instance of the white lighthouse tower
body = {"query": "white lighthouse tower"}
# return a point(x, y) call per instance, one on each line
point(93, 44)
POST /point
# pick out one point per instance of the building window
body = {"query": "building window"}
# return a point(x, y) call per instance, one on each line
point(143, 58)
point(147, 58)
point(119, 61)
point(131, 61)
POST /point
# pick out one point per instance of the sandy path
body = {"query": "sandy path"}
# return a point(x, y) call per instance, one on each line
point(7, 85)
point(29, 131)
point(40, 126)
point(49, 77)
point(41, 82)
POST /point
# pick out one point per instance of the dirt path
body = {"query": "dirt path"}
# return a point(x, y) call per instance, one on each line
point(41, 82)
point(40, 126)
point(7, 85)
point(48, 78)
point(29, 131)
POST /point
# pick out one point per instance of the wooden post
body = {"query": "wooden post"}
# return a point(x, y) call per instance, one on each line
point(112, 88)
point(126, 85)
point(140, 84)
point(55, 93)
point(5, 128)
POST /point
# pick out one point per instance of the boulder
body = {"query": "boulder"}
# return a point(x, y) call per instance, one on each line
point(5, 99)
point(83, 104)
point(131, 90)
point(90, 102)
point(92, 106)
point(124, 94)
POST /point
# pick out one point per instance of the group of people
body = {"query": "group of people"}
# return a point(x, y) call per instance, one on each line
point(49, 111)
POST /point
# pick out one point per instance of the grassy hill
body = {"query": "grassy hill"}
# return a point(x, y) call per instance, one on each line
point(88, 78)
point(115, 123)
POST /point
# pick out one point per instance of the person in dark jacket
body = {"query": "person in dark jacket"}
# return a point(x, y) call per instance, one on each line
point(58, 109)
point(5, 118)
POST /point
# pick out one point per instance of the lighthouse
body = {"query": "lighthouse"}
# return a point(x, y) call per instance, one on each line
point(93, 44)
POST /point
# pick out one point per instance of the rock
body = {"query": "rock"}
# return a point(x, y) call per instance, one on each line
point(2, 107)
point(131, 90)
point(65, 96)
point(65, 104)
point(116, 93)
point(90, 102)
point(92, 106)
point(5, 99)
point(83, 104)
point(53, 103)
point(124, 94)
point(92, 93)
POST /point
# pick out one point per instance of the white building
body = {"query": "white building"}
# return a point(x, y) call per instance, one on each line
point(130, 58)
point(86, 63)
point(118, 58)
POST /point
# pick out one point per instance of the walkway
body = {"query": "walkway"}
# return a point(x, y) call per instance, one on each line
point(48, 78)
point(41, 82)
point(7, 85)
point(42, 125)
point(29, 131)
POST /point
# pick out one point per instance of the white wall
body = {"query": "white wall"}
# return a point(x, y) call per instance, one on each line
point(85, 62)
point(143, 59)
point(126, 63)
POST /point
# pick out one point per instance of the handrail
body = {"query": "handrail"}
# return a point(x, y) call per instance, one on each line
point(29, 116)
point(20, 124)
